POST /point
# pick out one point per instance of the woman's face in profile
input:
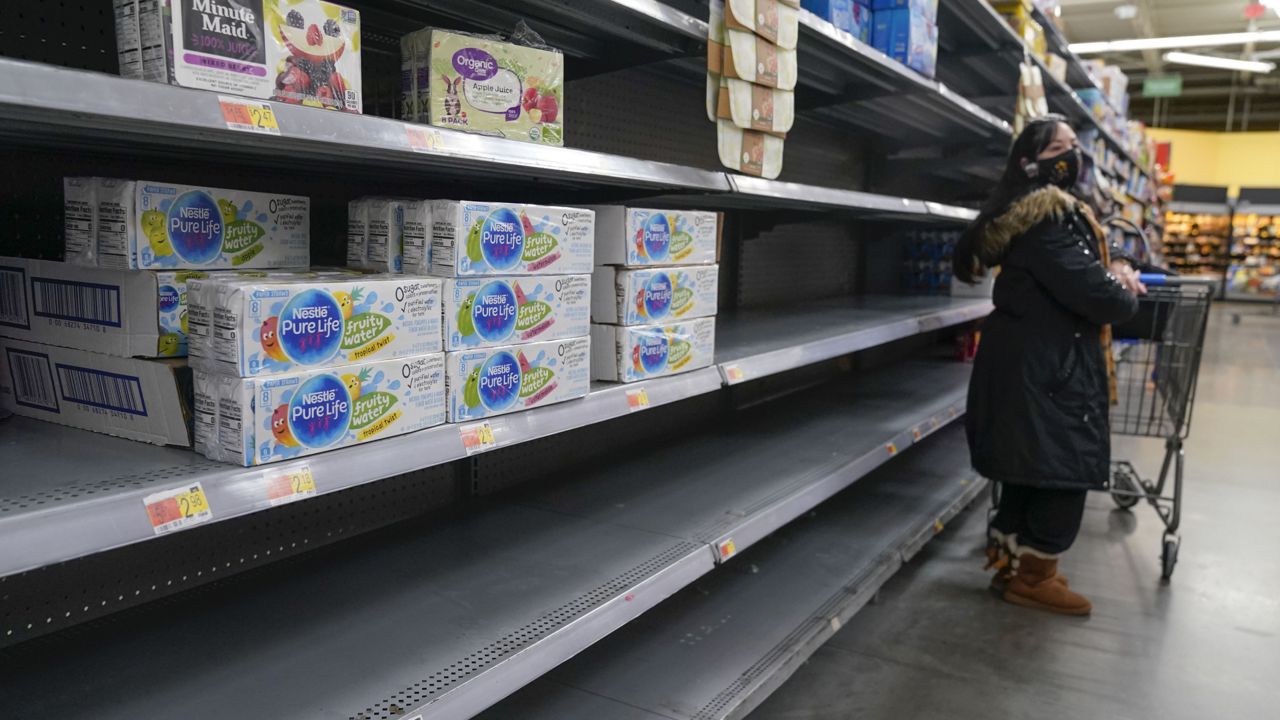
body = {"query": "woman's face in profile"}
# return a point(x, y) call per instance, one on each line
point(1063, 140)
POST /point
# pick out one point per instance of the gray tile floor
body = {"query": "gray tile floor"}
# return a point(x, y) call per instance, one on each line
point(1206, 645)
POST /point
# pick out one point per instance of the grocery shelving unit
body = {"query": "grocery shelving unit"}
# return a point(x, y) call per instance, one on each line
point(1197, 236)
point(1254, 272)
point(428, 577)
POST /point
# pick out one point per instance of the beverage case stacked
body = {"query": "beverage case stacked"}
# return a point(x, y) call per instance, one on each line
point(289, 365)
point(654, 292)
point(517, 303)
point(97, 341)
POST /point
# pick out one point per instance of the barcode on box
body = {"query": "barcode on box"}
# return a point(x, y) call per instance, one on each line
point(32, 380)
point(13, 297)
point(110, 391)
point(79, 301)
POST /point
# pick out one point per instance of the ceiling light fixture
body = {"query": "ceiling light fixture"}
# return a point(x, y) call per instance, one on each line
point(1170, 43)
point(1129, 12)
point(1252, 66)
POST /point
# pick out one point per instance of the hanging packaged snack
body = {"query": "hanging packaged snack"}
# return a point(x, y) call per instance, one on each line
point(749, 151)
point(752, 58)
point(770, 19)
point(756, 107)
point(715, 56)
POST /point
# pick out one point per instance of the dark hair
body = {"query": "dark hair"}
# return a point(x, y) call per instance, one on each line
point(1034, 138)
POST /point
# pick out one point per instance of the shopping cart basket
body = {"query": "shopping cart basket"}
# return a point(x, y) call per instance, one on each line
point(1157, 358)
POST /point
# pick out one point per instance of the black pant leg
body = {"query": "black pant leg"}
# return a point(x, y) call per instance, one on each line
point(1051, 519)
point(1012, 510)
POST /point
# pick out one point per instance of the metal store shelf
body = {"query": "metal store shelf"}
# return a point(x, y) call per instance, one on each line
point(76, 492)
point(1198, 208)
point(447, 619)
point(755, 343)
point(717, 650)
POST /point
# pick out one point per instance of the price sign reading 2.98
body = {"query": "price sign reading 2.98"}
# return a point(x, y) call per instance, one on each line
point(177, 508)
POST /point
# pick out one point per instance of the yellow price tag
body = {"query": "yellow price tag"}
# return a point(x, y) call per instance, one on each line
point(893, 449)
point(727, 549)
point(477, 437)
point(937, 526)
point(249, 116)
point(423, 139)
point(733, 374)
point(637, 399)
point(916, 434)
point(285, 486)
point(177, 508)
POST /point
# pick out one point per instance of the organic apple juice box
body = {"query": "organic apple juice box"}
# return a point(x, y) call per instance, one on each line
point(496, 88)
point(494, 381)
point(303, 52)
point(274, 325)
point(639, 237)
point(628, 354)
point(487, 312)
point(263, 420)
point(486, 238)
point(199, 228)
point(647, 295)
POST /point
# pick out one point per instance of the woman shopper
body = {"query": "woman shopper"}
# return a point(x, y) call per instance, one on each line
point(1038, 417)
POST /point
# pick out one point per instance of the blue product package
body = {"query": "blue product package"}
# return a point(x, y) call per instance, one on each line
point(881, 29)
point(892, 28)
point(836, 12)
point(927, 8)
point(862, 23)
point(922, 45)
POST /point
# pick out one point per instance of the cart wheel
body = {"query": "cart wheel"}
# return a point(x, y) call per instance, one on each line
point(1235, 318)
point(1169, 558)
point(1121, 480)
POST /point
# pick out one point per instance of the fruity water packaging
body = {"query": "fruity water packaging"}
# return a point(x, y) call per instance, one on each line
point(200, 228)
point(642, 296)
point(489, 238)
point(273, 326)
point(304, 52)
point(262, 420)
point(492, 311)
point(628, 354)
point(644, 237)
point(495, 381)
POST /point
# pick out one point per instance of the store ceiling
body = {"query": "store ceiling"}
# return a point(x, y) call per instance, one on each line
point(1211, 99)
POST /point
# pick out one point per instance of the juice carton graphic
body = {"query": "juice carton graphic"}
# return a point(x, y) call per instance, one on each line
point(647, 295)
point(487, 312)
point(628, 354)
point(262, 420)
point(495, 381)
point(485, 238)
point(273, 326)
point(642, 237)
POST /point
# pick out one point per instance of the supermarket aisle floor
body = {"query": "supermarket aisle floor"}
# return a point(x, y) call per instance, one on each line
point(937, 645)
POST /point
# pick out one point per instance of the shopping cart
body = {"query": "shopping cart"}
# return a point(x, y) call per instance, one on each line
point(1157, 356)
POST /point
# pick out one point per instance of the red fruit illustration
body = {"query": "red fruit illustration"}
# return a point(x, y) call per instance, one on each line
point(314, 36)
point(520, 296)
point(525, 365)
point(280, 426)
point(529, 100)
point(271, 340)
point(324, 92)
point(524, 222)
point(549, 107)
point(640, 303)
point(639, 240)
point(635, 359)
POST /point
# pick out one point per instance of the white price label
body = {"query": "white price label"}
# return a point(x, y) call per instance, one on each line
point(286, 485)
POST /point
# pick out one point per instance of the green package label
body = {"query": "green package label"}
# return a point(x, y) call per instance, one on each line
point(532, 313)
point(534, 380)
point(369, 407)
point(538, 245)
point(240, 235)
point(678, 351)
point(363, 328)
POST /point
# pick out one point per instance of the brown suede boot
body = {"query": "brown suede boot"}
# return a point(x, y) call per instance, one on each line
point(1036, 584)
point(998, 557)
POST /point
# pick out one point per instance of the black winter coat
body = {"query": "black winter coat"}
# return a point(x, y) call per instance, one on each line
point(1038, 399)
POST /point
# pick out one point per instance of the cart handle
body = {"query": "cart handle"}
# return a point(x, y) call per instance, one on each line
point(1157, 279)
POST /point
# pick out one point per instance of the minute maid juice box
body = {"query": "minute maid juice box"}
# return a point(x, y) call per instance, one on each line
point(487, 312)
point(628, 354)
point(486, 238)
point(495, 381)
point(640, 297)
point(263, 420)
point(181, 226)
point(272, 326)
point(487, 86)
point(640, 237)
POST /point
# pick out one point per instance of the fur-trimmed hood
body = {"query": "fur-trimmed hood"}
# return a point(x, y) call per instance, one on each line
point(992, 239)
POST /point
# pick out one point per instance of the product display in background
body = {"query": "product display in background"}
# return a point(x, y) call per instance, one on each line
point(628, 354)
point(926, 267)
point(151, 225)
point(495, 381)
point(642, 237)
point(252, 421)
point(132, 398)
point(118, 312)
point(907, 31)
point(493, 311)
point(1197, 244)
point(303, 52)
point(491, 238)
point(484, 85)
point(274, 326)
point(639, 297)
point(1255, 256)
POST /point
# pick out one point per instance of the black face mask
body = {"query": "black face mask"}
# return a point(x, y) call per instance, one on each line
point(1062, 170)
